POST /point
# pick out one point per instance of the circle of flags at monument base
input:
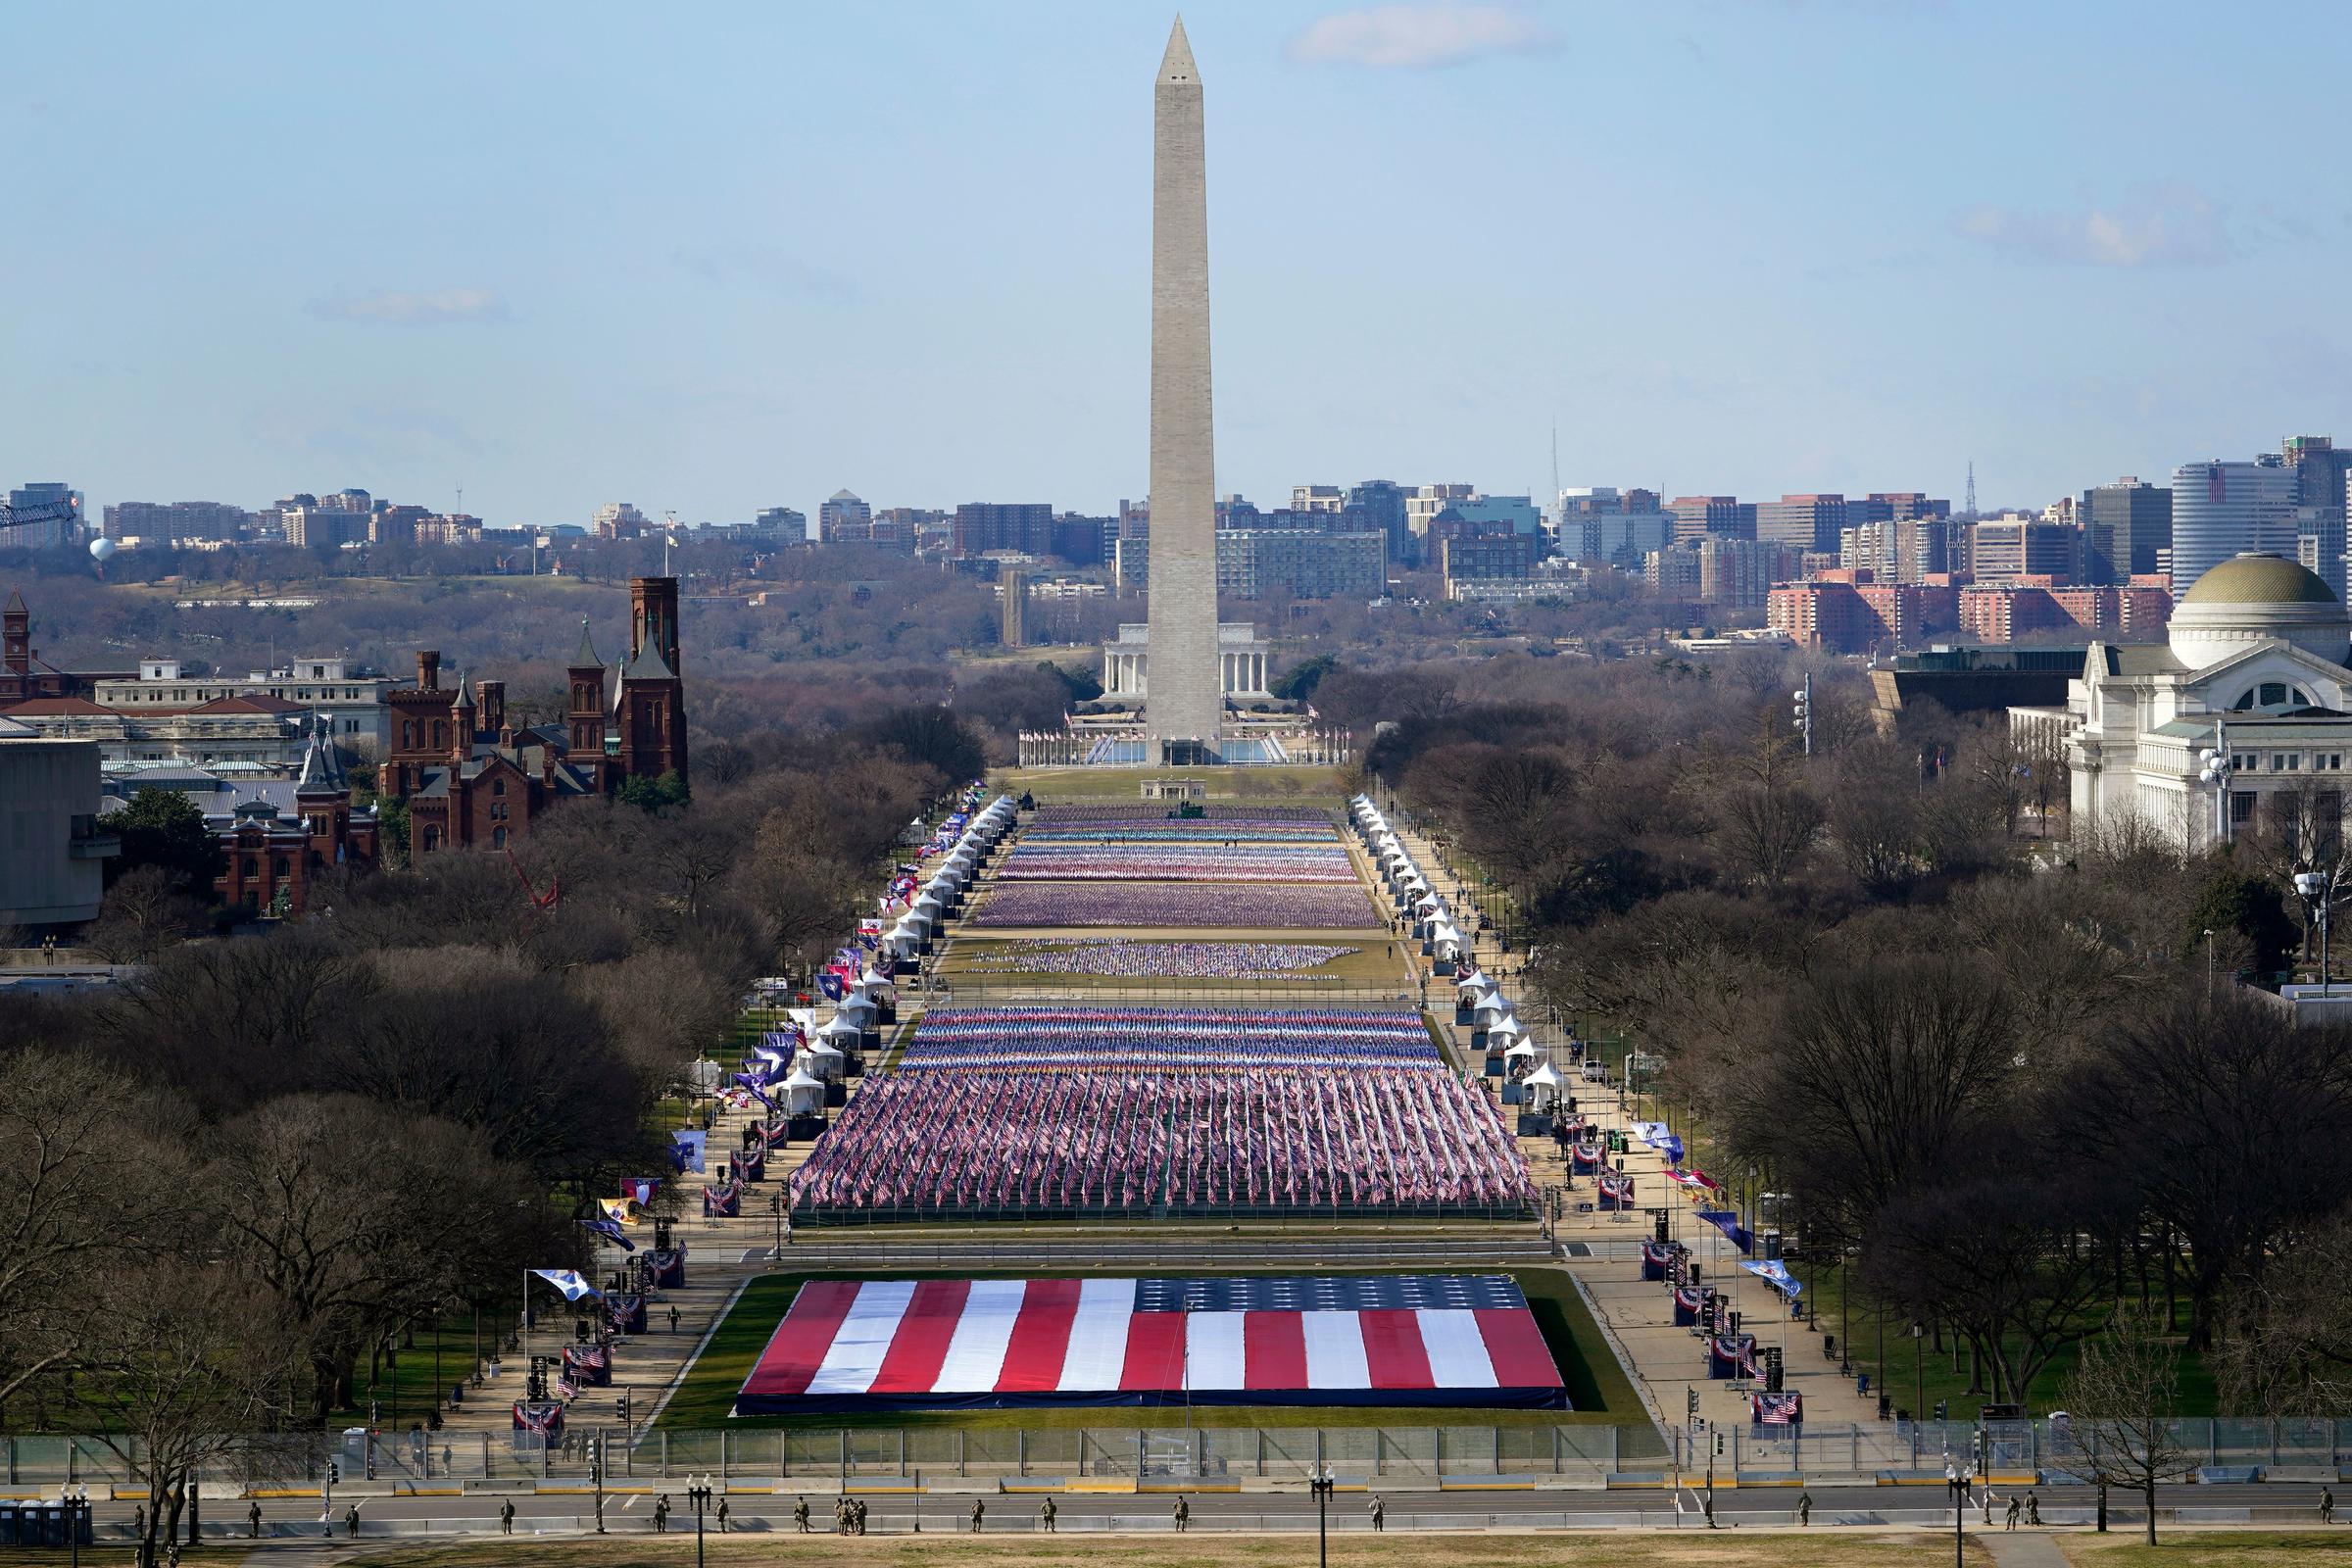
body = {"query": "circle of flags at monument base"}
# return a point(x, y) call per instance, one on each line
point(1038, 1112)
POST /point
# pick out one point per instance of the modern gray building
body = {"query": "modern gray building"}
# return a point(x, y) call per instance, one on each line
point(1303, 563)
point(2125, 525)
point(2322, 470)
point(52, 854)
point(2222, 510)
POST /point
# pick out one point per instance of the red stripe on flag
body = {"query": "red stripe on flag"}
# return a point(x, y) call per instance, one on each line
point(1041, 1338)
point(1515, 1346)
point(920, 1347)
point(798, 1347)
point(1155, 1352)
point(1274, 1351)
point(1394, 1354)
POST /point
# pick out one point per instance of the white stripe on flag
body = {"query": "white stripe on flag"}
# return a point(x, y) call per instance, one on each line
point(857, 1351)
point(1335, 1350)
point(976, 1352)
point(1098, 1354)
point(1213, 1353)
point(1457, 1352)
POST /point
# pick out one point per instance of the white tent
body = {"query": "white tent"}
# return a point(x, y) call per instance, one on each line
point(840, 1028)
point(1502, 1029)
point(1524, 1048)
point(1543, 1088)
point(874, 983)
point(1446, 941)
point(858, 1009)
point(821, 1058)
point(1491, 1007)
point(804, 1095)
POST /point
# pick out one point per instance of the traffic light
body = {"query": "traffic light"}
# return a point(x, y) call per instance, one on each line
point(1718, 1445)
point(1690, 1403)
point(334, 1472)
point(624, 1406)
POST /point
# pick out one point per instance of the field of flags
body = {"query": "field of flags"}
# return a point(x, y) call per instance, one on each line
point(1171, 905)
point(1037, 1112)
point(1234, 845)
point(1118, 957)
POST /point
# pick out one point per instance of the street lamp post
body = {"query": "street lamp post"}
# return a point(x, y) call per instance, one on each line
point(2213, 768)
point(699, 1493)
point(1320, 1482)
point(1919, 1384)
point(1960, 1517)
point(2317, 889)
point(776, 1206)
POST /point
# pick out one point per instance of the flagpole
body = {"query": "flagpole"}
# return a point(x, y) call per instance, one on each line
point(526, 1333)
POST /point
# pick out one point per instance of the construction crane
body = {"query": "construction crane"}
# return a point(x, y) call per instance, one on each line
point(34, 512)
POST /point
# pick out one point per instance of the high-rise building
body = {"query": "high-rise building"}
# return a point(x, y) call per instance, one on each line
point(1739, 573)
point(842, 517)
point(2321, 472)
point(986, 526)
point(1806, 522)
point(174, 520)
point(1486, 558)
point(1303, 563)
point(41, 517)
point(1422, 507)
point(1317, 498)
point(1382, 504)
point(2006, 549)
point(1695, 517)
point(619, 520)
point(2223, 509)
point(780, 522)
point(2125, 524)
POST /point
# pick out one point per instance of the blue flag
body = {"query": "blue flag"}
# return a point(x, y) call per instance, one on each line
point(568, 1281)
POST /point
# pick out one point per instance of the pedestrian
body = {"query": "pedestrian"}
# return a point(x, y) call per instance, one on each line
point(2016, 1507)
point(840, 1516)
point(138, 1519)
point(1380, 1514)
point(2034, 1510)
point(1951, 1483)
point(506, 1517)
point(800, 1514)
point(1045, 1516)
point(857, 1508)
point(2327, 1506)
point(1182, 1515)
point(253, 1521)
point(673, 1317)
point(979, 1512)
point(1804, 1509)
point(172, 1554)
point(350, 1520)
point(447, 1457)
point(722, 1516)
point(662, 1514)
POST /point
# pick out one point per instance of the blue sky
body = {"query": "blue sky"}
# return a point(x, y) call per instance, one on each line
point(715, 258)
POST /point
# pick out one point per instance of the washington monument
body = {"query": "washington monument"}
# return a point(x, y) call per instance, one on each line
point(1184, 705)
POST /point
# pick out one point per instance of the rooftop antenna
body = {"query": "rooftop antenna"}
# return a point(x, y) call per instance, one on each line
point(1972, 490)
point(1555, 461)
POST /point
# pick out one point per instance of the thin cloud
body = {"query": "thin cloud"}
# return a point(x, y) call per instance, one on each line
point(392, 307)
point(2169, 227)
point(1418, 36)
point(766, 267)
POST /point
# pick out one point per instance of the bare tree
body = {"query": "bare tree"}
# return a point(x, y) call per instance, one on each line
point(2121, 1401)
point(147, 911)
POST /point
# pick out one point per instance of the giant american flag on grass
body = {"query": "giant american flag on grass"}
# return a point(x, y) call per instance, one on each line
point(1367, 1340)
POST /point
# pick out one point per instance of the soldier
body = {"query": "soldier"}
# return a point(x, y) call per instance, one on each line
point(662, 1514)
point(1380, 1514)
point(979, 1512)
point(2327, 1506)
point(253, 1519)
point(2009, 1515)
point(857, 1507)
point(350, 1520)
point(1804, 1509)
point(722, 1516)
point(800, 1514)
point(2034, 1510)
point(1045, 1516)
point(840, 1516)
point(1183, 1513)
point(506, 1517)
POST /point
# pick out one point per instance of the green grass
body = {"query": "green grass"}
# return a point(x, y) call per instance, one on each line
point(1598, 1389)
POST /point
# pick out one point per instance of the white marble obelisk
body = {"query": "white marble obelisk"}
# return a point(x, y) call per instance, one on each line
point(1183, 700)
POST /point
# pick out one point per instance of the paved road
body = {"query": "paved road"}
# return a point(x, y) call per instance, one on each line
point(1349, 1511)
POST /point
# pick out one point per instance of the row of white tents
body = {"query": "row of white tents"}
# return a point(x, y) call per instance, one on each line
point(1478, 1000)
point(918, 926)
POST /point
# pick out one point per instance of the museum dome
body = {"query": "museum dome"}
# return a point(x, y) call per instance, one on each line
point(2254, 598)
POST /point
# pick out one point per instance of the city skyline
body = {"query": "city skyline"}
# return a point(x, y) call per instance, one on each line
point(841, 252)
